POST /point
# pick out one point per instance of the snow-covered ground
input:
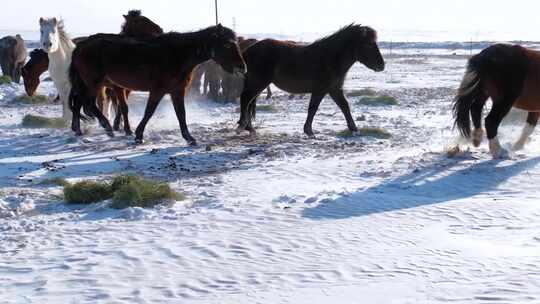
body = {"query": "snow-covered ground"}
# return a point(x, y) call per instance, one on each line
point(279, 218)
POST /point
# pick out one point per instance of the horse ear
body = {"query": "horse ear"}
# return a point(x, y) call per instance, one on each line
point(41, 20)
point(125, 16)
point(55, 21)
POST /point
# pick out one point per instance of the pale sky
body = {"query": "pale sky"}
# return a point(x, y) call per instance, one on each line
point(398, 20)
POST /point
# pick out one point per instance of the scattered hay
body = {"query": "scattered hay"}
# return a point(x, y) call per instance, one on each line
point(35, 121)
point(367, 131)
point(5, 80)
point(134, 191)
point(361, 92)
point(380, 100)
point(87, 192)
point(125, 191)
point(36, 99)
point(55, 181)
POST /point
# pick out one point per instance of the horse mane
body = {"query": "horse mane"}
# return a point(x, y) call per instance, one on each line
point(136, 24)
point(64, 36)
point(200, 36)
point(134, 13)
point(37, 52)
point(348, 32)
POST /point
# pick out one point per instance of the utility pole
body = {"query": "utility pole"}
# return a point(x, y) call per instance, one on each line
point(216, 7)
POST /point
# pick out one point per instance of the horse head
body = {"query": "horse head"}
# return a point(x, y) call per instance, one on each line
point(367, 50)
point(49, 30)
point(224, 50)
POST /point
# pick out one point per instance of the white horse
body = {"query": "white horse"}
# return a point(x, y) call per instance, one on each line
point(59, 46)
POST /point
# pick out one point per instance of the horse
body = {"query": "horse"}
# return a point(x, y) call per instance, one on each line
point(137, 26)
point(232, 85)
point(37, 65)
point(318, 68)
point(12, 56)
point(158, 65)
point(509, 75)
point(59, 47)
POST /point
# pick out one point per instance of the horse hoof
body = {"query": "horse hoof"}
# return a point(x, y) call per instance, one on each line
point(110, 134)
point(239, 130)
point(501, 154)
point(192, 143)
point(453, 152)
point(138, 141)
point(128, 133)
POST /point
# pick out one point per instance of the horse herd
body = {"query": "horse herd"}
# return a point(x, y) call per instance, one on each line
point(88, 72)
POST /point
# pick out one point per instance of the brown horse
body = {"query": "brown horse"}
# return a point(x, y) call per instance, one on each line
point(136, 26)
point(318, 68)
point(159, 65)
point(12, 56)
point(232, 85)
point(37, 65)
point(510, 75)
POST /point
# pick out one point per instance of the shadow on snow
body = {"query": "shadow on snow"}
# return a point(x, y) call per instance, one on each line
point(427, 187)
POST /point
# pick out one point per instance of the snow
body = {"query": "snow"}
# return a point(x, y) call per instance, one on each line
point(279, 218)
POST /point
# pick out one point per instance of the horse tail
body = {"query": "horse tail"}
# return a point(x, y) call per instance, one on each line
point(78, 94)
point(469, 92)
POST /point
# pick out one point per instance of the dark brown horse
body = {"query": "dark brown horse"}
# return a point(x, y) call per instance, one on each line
point(159, 65)
point(318, 68)
point(510, 75)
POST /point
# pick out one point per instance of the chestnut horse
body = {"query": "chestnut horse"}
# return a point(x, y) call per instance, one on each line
point(159, 65)
point(510, 75)
point(318, 68)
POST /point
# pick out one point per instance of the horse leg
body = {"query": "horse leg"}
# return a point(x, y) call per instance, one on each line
point(247, 107)
point(102, 102)
point(268, 93)
point(64, 92)
point(103, 121)
point(76, 118)
point(343, 104)
point(179, 107)
point(117, 111)
point(123, 109)
point(153, 101)
point(500, 108)
point(316, 98)
point(476, 115)
point(532, 121)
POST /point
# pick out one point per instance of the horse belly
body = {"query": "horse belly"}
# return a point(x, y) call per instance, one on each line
point(527, 103)
point(130, 80)
point(530, 96)
point(292, 84)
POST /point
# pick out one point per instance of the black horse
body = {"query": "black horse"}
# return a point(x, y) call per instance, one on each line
point(159, 65)
point(318, 68)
